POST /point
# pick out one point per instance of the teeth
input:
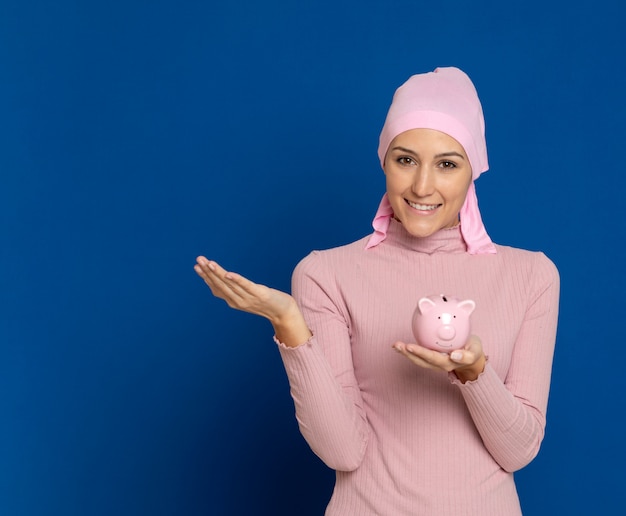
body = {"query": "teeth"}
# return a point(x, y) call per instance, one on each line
point(426, 207)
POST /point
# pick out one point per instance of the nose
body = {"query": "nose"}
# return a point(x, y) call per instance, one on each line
point(423, 182)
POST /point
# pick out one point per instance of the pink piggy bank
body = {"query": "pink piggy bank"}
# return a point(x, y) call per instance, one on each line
point(442, 323)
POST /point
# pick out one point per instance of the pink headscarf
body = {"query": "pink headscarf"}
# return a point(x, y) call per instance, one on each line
point(444, 100)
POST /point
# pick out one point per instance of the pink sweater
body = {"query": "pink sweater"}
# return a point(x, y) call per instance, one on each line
point(409, 441)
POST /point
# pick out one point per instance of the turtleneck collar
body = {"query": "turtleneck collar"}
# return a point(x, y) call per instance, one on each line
point(443, 241)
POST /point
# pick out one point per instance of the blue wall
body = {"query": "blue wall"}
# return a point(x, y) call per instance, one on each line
point(135, 135)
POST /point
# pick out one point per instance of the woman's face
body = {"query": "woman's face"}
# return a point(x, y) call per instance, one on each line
point(428, 174)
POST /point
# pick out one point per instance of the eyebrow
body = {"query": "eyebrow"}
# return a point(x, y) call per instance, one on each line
point(441, 155)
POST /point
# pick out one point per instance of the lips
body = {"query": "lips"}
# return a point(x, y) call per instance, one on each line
point(422, 207)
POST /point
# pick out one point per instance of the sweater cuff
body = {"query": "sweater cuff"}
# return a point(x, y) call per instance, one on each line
point(488, 385)
point(454, 379)
point(301, 358)
point(282, 345)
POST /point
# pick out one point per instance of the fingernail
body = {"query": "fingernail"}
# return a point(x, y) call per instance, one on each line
point(456, 355)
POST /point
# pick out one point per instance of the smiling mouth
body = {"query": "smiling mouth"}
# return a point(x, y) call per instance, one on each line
point(422, 207)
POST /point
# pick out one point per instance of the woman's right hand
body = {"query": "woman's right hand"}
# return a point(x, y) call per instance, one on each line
point(240, 293)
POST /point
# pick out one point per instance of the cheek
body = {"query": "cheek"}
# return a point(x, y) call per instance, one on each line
point(460, 193)
point(457, 190)
point(395, 183)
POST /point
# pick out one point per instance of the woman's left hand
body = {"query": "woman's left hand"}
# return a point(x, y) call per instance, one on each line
point(467, 363)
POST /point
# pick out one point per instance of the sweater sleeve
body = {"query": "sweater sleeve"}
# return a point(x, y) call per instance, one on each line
point(511, 415)
point(327, 399)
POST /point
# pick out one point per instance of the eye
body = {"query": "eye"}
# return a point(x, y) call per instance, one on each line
point(448, 165)
point(405, 161)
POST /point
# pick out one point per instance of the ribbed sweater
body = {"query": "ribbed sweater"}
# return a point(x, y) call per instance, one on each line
point(404, 440)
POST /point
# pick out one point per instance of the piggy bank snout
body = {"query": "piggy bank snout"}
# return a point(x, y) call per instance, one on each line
point(446, 332)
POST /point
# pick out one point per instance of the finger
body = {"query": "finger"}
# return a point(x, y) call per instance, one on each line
point(247, 292)
point(206, 271)
point(211, 271)
point(433, 357)
point(238, 291)
point(240, 283)
point(203, 273)
point(404, 349)
point(204, 267)
point(217, 278)
point(210, 267)
point(218, 287)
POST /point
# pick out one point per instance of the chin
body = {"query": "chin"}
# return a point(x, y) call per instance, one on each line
point(421, 232)
point(425, 228)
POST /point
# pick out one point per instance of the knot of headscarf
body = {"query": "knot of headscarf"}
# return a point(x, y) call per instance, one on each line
point(444, 100)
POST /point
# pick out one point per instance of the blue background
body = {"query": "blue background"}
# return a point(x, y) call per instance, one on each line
point(136, 135)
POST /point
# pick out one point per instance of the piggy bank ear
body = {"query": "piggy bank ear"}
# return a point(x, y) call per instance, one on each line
point(425, 304)
point(467, 306)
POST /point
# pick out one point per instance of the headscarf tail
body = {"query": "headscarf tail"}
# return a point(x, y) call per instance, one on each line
point(472, 227)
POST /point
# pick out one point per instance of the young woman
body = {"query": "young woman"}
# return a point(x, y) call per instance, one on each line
point(416, 431)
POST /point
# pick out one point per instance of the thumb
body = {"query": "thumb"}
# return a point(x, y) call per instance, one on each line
point(457, 356)
point(470, 353)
